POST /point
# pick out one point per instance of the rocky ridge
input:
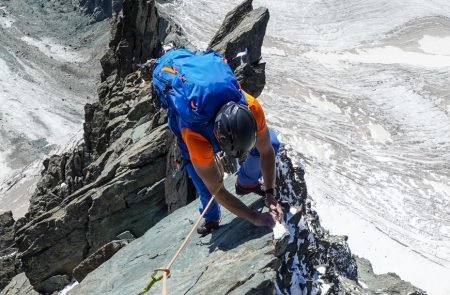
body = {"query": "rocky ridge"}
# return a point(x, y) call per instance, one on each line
point(93, 201)
point(128, 164)
point(87, 197)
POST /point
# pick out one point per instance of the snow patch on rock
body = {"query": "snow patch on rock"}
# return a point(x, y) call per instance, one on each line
point(6, 21)
point(279, 230)
point(69, 287)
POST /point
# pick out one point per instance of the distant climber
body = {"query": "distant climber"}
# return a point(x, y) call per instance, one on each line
point(208, 112)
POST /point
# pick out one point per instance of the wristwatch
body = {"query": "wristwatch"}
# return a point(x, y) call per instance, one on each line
point(273, 193)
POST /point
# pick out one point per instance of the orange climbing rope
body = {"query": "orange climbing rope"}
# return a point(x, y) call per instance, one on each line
point(166, 270)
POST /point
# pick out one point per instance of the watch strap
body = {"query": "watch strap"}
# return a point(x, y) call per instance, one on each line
point(271, 191)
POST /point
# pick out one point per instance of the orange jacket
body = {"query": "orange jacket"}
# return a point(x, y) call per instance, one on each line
point(200, 149)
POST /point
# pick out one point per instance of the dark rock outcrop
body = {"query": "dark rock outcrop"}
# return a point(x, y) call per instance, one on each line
point(137, 36)
point(9, 265)
point(127, 195)
point(252, 77)
point(62, 175)
point(97, 258)
point(135, 39)
point(247, 35)
point(97, 10)
point(231, 21)
point(389, 283)
point(242, 33)
point(312, 259)
point(179, 189)
point(6, 230)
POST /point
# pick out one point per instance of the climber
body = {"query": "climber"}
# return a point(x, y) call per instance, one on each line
point(209, 112)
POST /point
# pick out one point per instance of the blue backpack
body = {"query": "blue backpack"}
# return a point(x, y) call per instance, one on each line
point(193, 86)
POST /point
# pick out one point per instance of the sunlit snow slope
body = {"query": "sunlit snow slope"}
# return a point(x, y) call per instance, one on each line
point(48, 70)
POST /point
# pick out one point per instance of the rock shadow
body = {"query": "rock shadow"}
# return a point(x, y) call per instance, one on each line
point(237, 232)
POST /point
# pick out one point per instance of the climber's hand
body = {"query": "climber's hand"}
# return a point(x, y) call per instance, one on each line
point(264, 219)
point(274, 207)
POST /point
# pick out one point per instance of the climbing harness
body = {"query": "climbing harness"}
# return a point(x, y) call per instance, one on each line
point(166, 271)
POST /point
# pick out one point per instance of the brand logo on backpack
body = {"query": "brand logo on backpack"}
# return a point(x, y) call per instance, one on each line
point(193, 106)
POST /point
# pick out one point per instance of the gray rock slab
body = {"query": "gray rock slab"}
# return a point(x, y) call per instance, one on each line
point(389, 283)
point(237, 258)
point(19, 285)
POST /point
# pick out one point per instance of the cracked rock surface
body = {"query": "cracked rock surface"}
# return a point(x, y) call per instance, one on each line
point(114, 181)
point(237, 258)
point(19, 285)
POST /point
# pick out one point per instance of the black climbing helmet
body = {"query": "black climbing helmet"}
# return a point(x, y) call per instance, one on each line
point(235, 129)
